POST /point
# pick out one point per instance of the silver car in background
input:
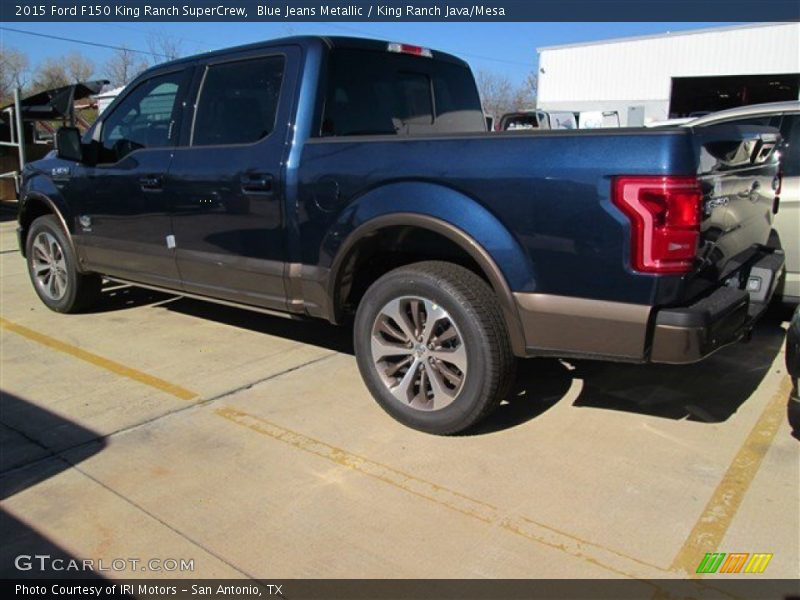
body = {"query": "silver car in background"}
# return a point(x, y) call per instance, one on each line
point(784, 116)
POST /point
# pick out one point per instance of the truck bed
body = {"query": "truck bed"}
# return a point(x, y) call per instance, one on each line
point(552, 191)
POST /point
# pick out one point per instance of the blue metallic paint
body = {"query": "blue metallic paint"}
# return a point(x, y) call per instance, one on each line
point(434, 200)
point(550, 190)
point(537, 203)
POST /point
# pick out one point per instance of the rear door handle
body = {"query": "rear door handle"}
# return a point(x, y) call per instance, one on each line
point(151, 182)
point(256, 183)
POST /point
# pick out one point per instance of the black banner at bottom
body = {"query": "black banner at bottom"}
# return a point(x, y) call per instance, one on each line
point(400, 589)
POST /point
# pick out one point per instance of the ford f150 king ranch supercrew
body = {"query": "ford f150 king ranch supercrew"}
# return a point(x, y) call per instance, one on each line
point(330, 177)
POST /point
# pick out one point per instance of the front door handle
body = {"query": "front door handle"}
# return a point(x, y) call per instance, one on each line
point(151, 182)
point(256, 183)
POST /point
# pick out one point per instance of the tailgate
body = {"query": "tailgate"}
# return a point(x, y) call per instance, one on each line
point(738, 171)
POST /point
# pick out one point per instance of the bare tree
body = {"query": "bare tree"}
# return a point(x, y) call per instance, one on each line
point(123, 66)
point(163, 47)
point(531, 85)
point(499, 95)
point(13, 72)
point(57, 72)
point(79, 68)
point(495, 91)
point(49, 74)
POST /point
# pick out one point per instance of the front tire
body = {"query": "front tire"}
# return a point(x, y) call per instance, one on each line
point(52, 266)
point(432, 346)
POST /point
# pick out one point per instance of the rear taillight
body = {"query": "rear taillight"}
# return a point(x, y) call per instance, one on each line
point(665, 220)
point(409, 49)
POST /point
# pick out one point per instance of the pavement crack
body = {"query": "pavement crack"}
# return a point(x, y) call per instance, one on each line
point(71, 464)
point(100, 438)
point(156, 518)
point(50, 452)
point(248, 386)
point(60, 455)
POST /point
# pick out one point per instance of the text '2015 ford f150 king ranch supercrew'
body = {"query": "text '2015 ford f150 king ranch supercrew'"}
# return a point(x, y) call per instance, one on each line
point(330, 177)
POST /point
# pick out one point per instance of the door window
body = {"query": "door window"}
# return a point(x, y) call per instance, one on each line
point(145, 118)
point(238, 102)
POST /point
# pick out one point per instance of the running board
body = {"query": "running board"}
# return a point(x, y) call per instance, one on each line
point(172, 292)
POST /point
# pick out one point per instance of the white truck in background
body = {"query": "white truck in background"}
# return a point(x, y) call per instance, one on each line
point(547, 119)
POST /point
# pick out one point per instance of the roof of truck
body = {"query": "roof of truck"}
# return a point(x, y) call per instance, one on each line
point(308, 40)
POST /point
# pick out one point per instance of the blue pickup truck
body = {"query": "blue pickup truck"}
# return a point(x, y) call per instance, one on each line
point(354, 181)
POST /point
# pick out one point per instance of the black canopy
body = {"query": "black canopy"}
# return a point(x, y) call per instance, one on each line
point(57, 103)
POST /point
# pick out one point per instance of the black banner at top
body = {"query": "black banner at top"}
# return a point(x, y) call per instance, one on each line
point(12, 11)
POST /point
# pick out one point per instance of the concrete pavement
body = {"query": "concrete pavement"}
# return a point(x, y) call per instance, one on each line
point(161, 427)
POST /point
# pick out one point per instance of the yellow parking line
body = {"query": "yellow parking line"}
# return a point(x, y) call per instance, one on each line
point(611, 560)
point(99, 361)
point(710, 528)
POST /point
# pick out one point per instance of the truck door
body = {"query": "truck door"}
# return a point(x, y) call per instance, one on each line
point(787, 221)
point(123, 222)
point(226, 181)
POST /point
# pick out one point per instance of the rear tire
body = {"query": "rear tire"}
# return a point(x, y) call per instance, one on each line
point(52, 266)
point(432, 347)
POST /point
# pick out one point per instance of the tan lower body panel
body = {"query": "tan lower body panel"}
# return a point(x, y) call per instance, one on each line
point(577, 326)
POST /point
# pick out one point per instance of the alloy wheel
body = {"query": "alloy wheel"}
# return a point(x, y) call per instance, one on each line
point(49, 266)
point(419, 353)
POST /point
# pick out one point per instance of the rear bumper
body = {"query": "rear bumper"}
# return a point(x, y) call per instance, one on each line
point(586, 328)
point(688, 334)
point(685, 335)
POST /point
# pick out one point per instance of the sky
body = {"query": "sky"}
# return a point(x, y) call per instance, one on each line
point(504, 48)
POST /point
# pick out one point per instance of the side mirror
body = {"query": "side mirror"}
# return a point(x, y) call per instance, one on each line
point(68, 144)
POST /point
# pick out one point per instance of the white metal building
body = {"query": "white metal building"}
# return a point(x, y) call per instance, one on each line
point(652, 78)
point(106, 97)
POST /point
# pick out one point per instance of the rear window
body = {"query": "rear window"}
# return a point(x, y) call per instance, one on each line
point(380, 93)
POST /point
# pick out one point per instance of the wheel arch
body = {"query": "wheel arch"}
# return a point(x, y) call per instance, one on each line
point(477, 253)
point(35, 205)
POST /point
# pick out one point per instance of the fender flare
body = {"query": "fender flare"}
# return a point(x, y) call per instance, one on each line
point(455, 234)
point(56, 211)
